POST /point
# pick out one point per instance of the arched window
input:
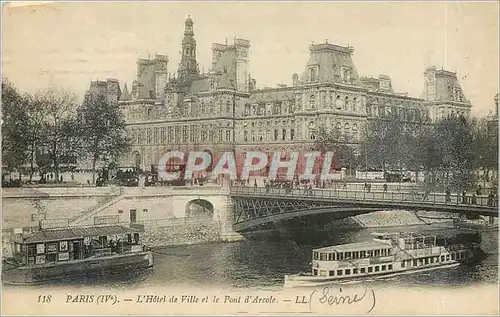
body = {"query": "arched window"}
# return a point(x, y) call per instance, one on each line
point(312, 102)
point(338, 102)
point(346, 103)
point(338, 126)
point(354, 103)
point(312, 131)
point(228, 107)
point(245, 136)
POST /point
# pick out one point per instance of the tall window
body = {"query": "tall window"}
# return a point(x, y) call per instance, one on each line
point(312, 102)
point(268, 135)
point(155, 136)
point(191, 133)
point(170, 135)
point(228, 135)
point(312, 131)
point(148, 136)
point(228, 107)
point(184, 134)
point(162, 135)
point(177, 134)
point(276, 132)
point(284, 134)
point(203, 134)
point(245, 136)
point(354, 102)
point(346, 103)
point(253, 136)
point(292, 134)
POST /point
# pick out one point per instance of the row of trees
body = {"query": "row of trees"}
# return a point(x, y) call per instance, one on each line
point(449, 152)
point(42, 131)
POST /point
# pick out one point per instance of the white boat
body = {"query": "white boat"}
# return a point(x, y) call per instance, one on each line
point(388, 255)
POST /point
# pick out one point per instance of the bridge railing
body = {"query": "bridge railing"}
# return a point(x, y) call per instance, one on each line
point(380, 196)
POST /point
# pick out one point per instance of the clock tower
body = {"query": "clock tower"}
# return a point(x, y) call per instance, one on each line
point(188, 67)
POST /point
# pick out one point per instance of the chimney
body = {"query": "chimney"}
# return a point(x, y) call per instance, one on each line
point(295, 80)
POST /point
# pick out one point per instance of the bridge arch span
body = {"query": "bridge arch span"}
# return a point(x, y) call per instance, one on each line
point(199, 208)
point(340, 212)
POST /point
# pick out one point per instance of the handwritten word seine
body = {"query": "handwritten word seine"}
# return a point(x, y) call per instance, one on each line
point(329, 297)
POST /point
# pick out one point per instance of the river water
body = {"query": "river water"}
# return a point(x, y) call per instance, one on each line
point(263, 264)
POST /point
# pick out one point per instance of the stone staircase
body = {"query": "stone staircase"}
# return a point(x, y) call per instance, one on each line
point(114, 197)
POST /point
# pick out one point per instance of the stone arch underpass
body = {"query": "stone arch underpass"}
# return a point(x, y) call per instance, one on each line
point(250, 215)
point(200, 208)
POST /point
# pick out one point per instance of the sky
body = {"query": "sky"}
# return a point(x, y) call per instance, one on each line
point(70, 44)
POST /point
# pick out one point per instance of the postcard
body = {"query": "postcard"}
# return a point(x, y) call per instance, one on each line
point(250, 158)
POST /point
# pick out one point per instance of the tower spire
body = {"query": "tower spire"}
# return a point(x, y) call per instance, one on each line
point(188, 67)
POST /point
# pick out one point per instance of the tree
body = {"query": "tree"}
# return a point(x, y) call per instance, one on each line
point(35, 126)
point(104, 130)
point(337, 143)
point(14, 129)
point(383, 144)
point(455, 139)
point(485, 137)
point(60, 132)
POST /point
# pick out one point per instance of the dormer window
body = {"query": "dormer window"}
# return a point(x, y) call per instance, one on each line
point(313, 74)
point(346, 74)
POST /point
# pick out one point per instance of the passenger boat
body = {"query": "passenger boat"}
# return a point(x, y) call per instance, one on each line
point(390, 254)
point(74, 252)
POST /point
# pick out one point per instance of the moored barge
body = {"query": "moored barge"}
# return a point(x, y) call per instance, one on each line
point(74, 252)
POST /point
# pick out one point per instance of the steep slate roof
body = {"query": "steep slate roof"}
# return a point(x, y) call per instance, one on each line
point(272, 94)
point(199, 85)
point(330, 59)
point(125, 96)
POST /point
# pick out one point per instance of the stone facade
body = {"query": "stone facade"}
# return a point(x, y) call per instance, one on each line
point(154, 207)
point(222, 109)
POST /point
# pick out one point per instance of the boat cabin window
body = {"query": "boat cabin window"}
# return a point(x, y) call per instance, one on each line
point(331, 256)
point(348, 255)
point(377, 268)
point(331, 273)
point(339, 272)
point(315, 255)
point(363, 270)
point(347, 271)
point(383, 267)
point(323, 256)
point(442, 258)
point(354, 271)
point(370, 269)
point(389, 267)
point(363, 254)
point(315, 272)
point(136, 237)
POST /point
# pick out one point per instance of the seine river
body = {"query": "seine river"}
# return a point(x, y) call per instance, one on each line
point(263, 264)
